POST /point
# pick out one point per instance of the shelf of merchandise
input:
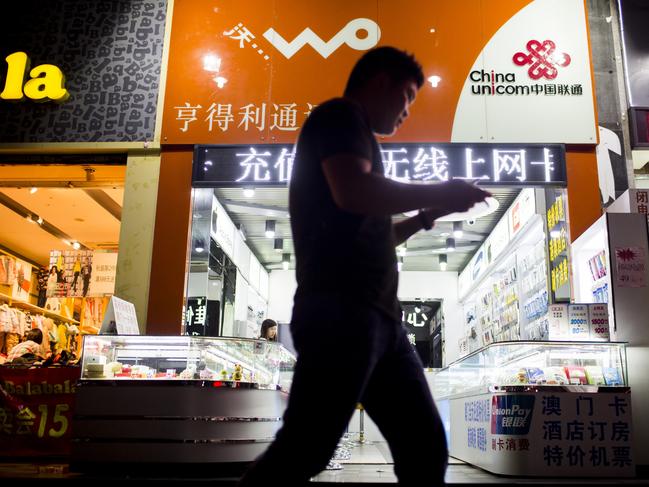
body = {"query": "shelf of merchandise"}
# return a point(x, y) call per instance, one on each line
point(16, 303)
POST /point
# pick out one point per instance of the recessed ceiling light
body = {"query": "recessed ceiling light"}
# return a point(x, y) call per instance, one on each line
point(434, 81)
point(270, 228)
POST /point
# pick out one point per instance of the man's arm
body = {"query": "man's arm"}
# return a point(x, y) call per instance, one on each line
point(356, 189)
point(405, 229)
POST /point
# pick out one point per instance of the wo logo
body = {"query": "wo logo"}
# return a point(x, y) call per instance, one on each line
point(347, 35)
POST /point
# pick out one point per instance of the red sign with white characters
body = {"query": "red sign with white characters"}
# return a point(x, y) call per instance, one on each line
point(36, 407)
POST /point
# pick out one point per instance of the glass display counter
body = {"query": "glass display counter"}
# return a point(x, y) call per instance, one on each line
point(177, 400)
point(539, 409)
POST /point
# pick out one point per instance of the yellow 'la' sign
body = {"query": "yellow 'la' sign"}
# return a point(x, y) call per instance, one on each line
point(47, 81)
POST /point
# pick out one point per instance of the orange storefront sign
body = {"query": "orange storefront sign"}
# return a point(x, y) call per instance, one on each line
point(249, 71)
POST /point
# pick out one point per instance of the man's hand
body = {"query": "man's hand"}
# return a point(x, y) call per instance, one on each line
point(460, 196)
point(432, 214)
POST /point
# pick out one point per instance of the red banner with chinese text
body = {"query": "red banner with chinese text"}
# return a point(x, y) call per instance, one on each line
point(36, 408)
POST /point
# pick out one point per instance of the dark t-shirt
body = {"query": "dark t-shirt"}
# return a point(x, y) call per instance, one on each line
point(337, 251)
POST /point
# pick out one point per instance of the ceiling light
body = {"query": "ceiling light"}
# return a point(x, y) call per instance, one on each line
point(450, 245)
point(33, 190)
point(443, 261)
point(208, 163)
point(270, 228)
point(211, 63)
point(278, 246)
point(434, 81)
point(76, 245)
point(199, 246)
point(286, 260)
point(220, 81)
point(249, 192)
point(457, 230)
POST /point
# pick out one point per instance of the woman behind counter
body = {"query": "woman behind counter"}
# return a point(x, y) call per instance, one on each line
point(268, 330)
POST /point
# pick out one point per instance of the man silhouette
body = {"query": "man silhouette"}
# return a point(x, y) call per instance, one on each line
point(346, 322)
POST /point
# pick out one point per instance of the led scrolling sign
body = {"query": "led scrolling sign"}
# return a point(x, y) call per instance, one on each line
point(490, 164)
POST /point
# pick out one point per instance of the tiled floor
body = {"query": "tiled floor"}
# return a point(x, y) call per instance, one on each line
point(372, 463)
point(360, 466)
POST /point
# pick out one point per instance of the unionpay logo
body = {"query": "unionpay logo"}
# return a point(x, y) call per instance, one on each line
point(511, 415)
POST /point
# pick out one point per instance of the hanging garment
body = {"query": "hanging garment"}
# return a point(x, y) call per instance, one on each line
point(62, 336)
point(11, 340)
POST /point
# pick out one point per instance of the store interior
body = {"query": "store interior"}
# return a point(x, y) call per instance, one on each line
point(257, 221)
point(59, 239)
point(500, 275)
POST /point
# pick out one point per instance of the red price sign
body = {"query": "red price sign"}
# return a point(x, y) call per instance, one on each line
point(36, 407)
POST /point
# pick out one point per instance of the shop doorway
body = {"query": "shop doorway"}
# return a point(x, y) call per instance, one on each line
point(59, 238)
point(241, 204)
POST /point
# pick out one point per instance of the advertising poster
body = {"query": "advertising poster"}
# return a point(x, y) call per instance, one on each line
point(630, 264)
point(69, 273)
point(93, 311)
point(7, 267)
point(22, 280)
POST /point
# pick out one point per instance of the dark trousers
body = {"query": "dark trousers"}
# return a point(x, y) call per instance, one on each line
point(350, 353)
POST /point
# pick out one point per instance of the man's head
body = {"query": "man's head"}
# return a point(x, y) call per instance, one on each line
point(34, 334)
point(385, 81)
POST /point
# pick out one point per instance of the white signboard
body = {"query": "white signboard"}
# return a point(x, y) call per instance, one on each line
point(558, 328)
point(578, 322)
point(222, 228)
point(255, 269)
point(120, 318)
point(102, 278)
point(521, 211)
point(547, 433)
point(598, 322)
point(498, 239)
point(532, 81)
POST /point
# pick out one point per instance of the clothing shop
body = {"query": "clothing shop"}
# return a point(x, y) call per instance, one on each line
point(77, 179)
